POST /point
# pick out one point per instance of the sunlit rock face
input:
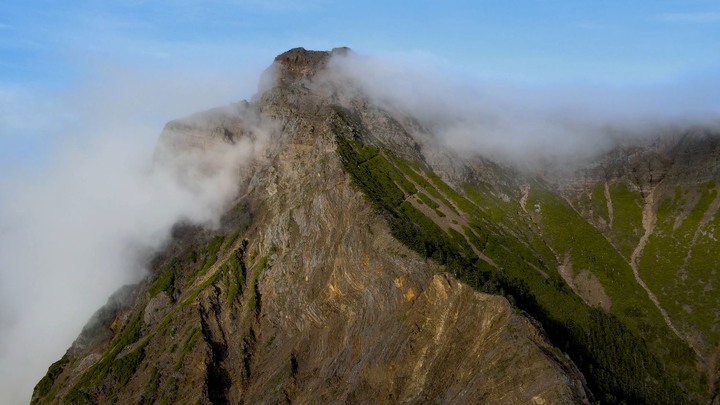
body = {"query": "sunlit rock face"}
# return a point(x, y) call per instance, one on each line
point(312, 289)
point(303, 295)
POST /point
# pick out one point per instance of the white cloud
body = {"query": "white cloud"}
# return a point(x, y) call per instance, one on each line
point(526, 124)
point(75, 229)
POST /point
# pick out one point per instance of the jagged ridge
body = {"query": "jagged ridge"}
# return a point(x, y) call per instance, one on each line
point(326, 305)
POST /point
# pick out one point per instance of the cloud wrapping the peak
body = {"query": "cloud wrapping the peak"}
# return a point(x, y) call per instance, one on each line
point(84, 222)
point(526, 124)
point(81, 224)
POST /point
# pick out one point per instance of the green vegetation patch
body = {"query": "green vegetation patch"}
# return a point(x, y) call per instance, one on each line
point(254, 291)
point(191, 340)
point(44, 387)
point(122, 368)
point(614, 358)
point(680, 262)
point(428, 201)
point(413, 171)
point(235, 269)
point(165, 281)
point(151, 389)
point(627, 222)
point(211, 252)
point(599, 202)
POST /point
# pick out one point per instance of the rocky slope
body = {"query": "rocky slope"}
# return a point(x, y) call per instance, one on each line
point(304, 294)
point(362, 262)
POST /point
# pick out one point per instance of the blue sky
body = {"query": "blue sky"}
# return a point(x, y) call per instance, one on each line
point(50, 47)
point(533, 40)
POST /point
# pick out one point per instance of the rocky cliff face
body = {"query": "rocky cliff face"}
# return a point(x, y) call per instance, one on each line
point(304, 294)
point(675, 157)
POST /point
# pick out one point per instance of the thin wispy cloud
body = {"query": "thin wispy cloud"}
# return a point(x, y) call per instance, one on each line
point(705, 17)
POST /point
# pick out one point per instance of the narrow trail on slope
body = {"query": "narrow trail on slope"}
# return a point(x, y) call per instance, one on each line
point(444, 223)
point(608, 201)
point(524, 198)
point(566, 272)
point(648, 221)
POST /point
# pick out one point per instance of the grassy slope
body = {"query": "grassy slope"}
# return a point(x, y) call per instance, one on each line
point(126, 352)
point(679, 263)
point(627, 355)
point(599, 202)
point(614, 350)
point(627, 218)
point(589, 249)
point(682, 277)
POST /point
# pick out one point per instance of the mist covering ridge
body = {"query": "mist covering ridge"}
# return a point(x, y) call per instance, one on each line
point(527, 125)
point(316, 264)
point(76, 230)
point(86, 221)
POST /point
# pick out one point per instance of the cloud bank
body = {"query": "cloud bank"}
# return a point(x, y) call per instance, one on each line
point(527, 124)
point(79, 224)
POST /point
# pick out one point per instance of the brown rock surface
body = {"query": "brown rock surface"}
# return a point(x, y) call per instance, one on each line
point(322, 305)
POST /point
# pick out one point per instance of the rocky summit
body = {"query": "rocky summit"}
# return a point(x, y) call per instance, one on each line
point(362, 262)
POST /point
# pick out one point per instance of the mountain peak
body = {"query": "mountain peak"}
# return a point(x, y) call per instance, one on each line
point(357, 228)
point(300, 63)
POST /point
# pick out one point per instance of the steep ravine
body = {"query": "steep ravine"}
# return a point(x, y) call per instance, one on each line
point(648, 221)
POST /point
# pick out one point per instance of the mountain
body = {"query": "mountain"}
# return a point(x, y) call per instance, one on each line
point(363, 262)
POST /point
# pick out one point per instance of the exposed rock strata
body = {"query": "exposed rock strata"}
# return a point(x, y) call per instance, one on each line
point(330, 307)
